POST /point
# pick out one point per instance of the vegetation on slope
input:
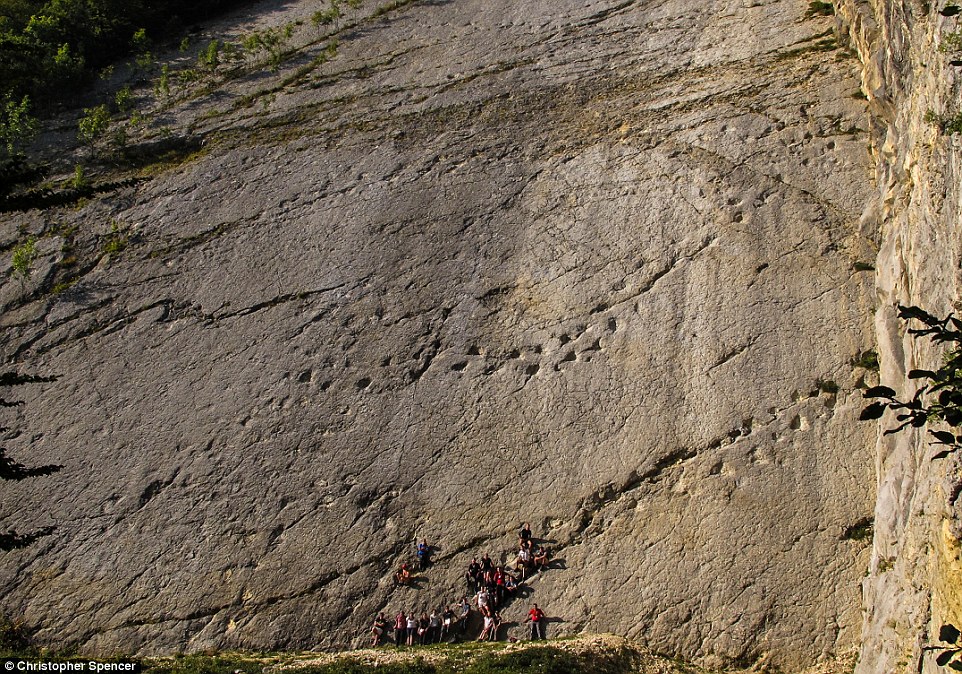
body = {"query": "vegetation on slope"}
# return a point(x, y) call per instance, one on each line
point(50, 48)
point(595, 654)
point(51, 51)
point(600, 654)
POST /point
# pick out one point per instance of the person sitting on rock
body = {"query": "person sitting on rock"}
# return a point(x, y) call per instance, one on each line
point(523, 561)
point(541, 559)
point(403, 575)
point(488, 580)
point(377, 629)
point(483, 600)
point(525, 534)
point(487, 629)
point(510, 585)
point(496, 621)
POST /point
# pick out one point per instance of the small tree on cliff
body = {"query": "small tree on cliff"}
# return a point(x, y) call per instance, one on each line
point(937, 400)
point(13, 470)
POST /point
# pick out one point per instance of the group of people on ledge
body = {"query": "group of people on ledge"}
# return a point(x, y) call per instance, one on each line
point(491, 586)
point(441, 625)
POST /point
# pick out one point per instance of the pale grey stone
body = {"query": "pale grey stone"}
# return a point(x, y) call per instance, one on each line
point(584, 264)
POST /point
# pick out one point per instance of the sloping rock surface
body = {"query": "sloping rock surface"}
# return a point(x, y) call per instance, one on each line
point(593, 265)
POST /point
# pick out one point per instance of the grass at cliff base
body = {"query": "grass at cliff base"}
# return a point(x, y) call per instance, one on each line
point(595, 654)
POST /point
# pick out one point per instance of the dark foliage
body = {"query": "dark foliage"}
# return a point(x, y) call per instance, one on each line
point(13, 470)
point(14, 172)
point(938, 400)
point(819, 8)
point(14, 637)
point(50, 48)
point(949, 656)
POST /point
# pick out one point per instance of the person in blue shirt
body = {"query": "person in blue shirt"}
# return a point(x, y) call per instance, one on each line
point(424, 554)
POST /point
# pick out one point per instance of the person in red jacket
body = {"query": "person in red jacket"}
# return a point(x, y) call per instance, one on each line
point(536, 617)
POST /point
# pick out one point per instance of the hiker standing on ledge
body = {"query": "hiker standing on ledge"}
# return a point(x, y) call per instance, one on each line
point(424, 554)
point(400, 628)
point(537, 618)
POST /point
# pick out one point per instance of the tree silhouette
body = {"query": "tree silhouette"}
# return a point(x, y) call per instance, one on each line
point(940, 397)
point(13, 470)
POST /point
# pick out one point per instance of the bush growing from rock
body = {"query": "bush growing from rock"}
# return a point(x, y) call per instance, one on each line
point(93, 124)
point(23, 257)
point(17, 126)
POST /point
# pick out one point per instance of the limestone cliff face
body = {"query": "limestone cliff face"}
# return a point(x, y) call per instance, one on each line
point(916, 576)
point(595, 265)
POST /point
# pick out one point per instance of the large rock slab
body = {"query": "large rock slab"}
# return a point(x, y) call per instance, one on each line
point(590, 265)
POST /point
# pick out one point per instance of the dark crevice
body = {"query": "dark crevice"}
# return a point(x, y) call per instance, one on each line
point(155, 488)
point(737, 351)
point(592, 506)
point(194, 615)
point(313, 588)
point(46, 197)
point(109, 325)
point(605, 14)
point(277, 301)
point(471, 544)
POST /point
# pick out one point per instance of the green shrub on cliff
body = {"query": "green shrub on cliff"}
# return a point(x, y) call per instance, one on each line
point(273, 41)
point(209, 57)
point(950, 124)
point(17, 126)
point(14, 637)
point(93, 124)
point(23, 257)
point(49, 49)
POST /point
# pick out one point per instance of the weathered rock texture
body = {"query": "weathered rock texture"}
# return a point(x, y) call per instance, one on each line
point(589, 264)
point(915, 585)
